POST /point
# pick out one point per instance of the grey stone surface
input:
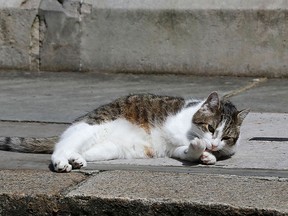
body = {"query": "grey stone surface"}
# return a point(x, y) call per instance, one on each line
point(34, 192)
point(253, 182)
point(20, 161)
point(32, 183)
point(30, 129)
point(62, 97)
point(214, 37)
point(19, 43)
point(61, 40)
point(211, 37)
point(268, 96)
point(187, 188)
point(139, 193)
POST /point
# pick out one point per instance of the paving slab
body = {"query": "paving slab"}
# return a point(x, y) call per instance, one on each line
point(62, 97)
point(33, 182)
point(265, 155)
point(196, 192)
point(31, 129)
point(269, 96)
point(34, 192)
point(140, 193)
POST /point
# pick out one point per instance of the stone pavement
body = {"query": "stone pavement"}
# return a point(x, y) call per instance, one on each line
point(253, 182)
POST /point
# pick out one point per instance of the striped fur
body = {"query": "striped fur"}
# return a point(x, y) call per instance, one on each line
point(145, 110)
point(28, 144)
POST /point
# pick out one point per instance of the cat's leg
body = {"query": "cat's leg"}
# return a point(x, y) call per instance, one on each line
point(103, 151)
point(67, 152)
point(192, 152)
point(208, 158)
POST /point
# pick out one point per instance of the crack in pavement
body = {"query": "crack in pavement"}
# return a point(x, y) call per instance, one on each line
point(248, 86)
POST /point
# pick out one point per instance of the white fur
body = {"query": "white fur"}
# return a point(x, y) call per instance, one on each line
point(214, 142)
point(117, 139)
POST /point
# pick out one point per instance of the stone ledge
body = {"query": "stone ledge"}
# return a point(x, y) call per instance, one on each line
point(143, 193)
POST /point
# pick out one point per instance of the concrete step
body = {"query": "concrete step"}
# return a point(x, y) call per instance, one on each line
point(212, 37)
point(140, 193)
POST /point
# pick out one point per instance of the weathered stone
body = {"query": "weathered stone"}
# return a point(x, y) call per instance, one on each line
point(212, 37)
point(139, 193)
point(34, 192)
point(18, 20)
point(61, 40)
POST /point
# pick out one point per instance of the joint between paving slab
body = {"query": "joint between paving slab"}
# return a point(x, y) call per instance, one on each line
point(88, 175)
point(281, 175)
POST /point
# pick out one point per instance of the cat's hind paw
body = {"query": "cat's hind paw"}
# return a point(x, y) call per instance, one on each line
point(63, 163)
point(208, 158)
point(62, 166)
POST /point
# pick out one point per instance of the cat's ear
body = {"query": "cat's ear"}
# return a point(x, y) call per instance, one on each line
point(213, 101)
point(241, 115)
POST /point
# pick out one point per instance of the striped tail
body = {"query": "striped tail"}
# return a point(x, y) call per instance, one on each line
point(28, 144)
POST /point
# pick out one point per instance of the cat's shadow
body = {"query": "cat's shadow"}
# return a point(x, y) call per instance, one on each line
point(188, 163)
point(184, 163)
point(51, 168)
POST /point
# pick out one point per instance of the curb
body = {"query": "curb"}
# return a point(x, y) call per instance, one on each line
point(83, 205)
point(125, 194)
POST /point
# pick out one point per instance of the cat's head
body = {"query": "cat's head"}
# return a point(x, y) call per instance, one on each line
point(220, 122)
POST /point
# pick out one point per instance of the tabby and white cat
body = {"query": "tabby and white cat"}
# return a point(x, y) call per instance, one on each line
point(143, 126)
point(151, 126)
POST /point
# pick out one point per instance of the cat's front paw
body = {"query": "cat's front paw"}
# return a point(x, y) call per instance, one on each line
point(195, 149)
point(208, 158)
point(77, 161)
point(197, 145)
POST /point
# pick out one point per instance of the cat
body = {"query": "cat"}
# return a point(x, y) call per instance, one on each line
point(143, 126)
point(151, 126)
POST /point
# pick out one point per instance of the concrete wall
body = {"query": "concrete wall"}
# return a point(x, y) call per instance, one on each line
point(17, 27)
point(214, 37)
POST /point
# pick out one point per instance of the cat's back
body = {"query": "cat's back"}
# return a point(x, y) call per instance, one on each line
point(141, 109)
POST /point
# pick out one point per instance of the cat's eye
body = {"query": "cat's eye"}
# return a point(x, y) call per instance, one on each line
point(226, 138)
point(211, 129)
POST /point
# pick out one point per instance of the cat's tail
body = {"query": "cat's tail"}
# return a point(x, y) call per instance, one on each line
point(28, 144)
